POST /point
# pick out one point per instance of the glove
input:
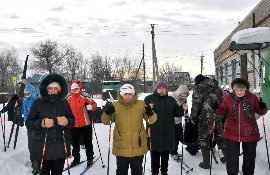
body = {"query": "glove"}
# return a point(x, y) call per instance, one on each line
point(148, 110)
point(215, 105)
point(47, 123)
point(110, 110)
point(262, 105)
point(62, 121)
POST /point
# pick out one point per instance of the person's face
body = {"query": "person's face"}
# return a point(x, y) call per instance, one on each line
point(239, 92)
point(161, 91)
point(128, 97)
point(27, 95)
point(76, 90)
point(53, 90)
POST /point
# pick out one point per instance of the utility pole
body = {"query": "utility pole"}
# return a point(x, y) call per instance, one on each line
point(143, 71)
point(202, 64)
point(155, 65)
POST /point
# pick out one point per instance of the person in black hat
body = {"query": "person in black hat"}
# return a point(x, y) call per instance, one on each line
point(10, 107)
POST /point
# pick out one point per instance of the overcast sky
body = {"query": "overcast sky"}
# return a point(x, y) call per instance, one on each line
point(185, 29)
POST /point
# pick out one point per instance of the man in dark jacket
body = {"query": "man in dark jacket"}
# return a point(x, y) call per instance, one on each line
point(162, 131)
point(10, 107)
point(206, 92)
point(50, 121)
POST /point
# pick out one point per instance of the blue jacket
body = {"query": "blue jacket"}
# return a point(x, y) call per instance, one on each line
point(28, 101)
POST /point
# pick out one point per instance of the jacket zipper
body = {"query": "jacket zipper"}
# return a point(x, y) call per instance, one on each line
point(239, 122)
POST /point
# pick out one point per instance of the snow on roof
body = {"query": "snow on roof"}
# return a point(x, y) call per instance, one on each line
point(252, 35)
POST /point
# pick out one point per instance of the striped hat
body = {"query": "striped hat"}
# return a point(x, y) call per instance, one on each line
point(127, 89)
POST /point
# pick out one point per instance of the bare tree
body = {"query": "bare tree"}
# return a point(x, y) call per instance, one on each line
point(73, 64)
point(49, 56)
point(9, 68)
point(168, 74)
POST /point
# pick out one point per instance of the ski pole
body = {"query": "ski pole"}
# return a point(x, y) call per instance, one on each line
point(3, 132)
point(213, 134)
point(148, 132)
point(43, 152)
point(108, 170)
point(110, 130)
point(183, 125)
point(265, 137)
point(5, 148)
point(103, 166)
point(65, 145)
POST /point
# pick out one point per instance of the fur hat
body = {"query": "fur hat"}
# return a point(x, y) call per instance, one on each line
point(162, 84)
point(127, 89)
point(199, 78)
point(240, 83)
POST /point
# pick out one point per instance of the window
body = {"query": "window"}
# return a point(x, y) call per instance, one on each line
point(233, 69)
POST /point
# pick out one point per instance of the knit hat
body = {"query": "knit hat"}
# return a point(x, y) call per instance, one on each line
point(162, 84)
point(74, 86)
point(127, 89)
point(240, 83)
point(54, 84)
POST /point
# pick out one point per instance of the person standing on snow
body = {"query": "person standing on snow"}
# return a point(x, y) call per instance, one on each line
point(180, 95)
point(51, 120)
point(79, 105)
point(9, 107)
point(31, 94)
point(241, 125)
point(205, 93)
point(129, 134)
point(162, 131)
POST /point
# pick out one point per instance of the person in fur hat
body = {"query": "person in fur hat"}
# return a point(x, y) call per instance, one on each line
point(129, 134)
point(241, 125)
point(50, 120)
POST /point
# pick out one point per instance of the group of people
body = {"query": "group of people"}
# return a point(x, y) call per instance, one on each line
point(56, 120)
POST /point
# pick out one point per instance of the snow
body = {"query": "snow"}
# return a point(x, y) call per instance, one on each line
point(252, 35)
point(17, 161)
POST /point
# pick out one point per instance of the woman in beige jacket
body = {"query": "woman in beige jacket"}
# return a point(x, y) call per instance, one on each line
point(129, 135)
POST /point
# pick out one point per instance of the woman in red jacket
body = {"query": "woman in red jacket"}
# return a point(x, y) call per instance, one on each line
point(241, 125)
point(79, 105)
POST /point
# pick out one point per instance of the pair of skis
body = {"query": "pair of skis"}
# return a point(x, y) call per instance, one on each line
point(86, 169)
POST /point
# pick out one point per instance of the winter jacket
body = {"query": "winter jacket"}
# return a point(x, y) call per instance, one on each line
point(180, 95)
point(29, 100)
point(247, 129)
point(162, 131)
point(10, 107)
point(50, 106)
point(78, 102)
point(128, 118)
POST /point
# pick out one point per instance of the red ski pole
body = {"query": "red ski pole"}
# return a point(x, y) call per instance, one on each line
point(43, 152)
point(65, 145)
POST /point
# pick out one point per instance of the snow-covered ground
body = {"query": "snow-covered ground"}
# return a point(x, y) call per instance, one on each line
point(16, 162)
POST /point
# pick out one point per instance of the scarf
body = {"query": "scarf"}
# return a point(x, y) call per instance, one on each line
point(246, 106)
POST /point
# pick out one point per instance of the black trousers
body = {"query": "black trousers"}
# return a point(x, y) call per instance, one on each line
point(155, 161)
point(54, 166)
point(178, 137)
point(124, 162)
point(249, 155)
point(86, 132)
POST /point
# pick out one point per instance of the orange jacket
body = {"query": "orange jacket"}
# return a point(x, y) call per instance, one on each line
point(78, 103)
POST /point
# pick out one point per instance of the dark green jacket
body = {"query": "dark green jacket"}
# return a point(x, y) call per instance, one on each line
point(162, 131)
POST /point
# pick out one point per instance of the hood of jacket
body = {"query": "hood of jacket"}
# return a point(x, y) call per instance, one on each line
point(80, 84)
point(48, 80)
